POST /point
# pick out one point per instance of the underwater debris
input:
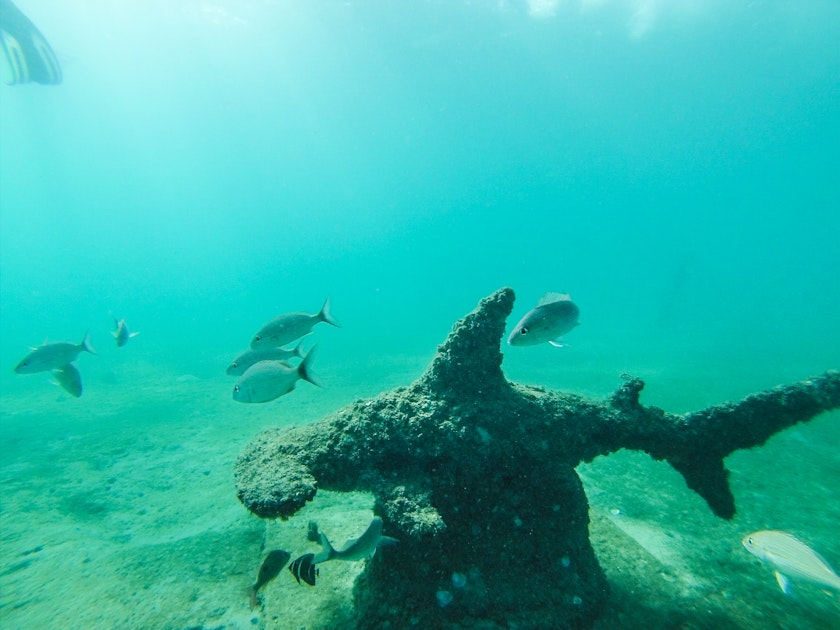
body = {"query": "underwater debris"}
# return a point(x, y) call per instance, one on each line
point(454, 498)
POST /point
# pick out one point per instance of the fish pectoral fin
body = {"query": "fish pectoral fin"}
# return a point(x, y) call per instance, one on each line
point(558, 343)
point(24, 53)
point(783, 581)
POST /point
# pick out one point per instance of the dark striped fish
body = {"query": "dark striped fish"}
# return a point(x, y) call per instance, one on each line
point(304, 569)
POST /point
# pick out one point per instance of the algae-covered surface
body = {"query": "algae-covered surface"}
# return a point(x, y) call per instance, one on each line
point(470, 470)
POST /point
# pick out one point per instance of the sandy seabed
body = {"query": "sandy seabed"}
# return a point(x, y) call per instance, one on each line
point(119, 510)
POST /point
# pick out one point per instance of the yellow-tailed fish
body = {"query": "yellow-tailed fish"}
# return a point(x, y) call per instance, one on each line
point(790, 557)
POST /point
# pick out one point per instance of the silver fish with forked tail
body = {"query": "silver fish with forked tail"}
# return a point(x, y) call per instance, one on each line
point(267, 380)
point(248, 358)
point(789, 556)
point(286, 328)
point(53, 356)
point(356, 548)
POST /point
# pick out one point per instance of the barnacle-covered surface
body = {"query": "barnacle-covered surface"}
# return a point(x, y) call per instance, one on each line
point(475, 475)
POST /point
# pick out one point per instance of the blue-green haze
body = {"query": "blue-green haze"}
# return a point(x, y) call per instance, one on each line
point(205, 166)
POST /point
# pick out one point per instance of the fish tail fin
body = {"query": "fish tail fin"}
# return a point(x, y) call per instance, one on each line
point(252, 596)
point(305, 370)
point(326, 315)
point(327, 550)
point(25, 54)
point(86, 345)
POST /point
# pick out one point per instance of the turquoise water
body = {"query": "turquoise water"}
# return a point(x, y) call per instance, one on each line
point(204, 167)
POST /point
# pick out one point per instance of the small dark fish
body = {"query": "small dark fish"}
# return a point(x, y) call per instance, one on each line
point(304, 569)
point(69, 378)
point(269, 570)
point(121, 333)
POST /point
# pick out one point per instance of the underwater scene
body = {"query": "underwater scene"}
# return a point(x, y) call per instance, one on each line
point(489, 314)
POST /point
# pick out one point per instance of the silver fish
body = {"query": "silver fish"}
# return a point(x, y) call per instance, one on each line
point(246, 359)
point(554, 316)
point(53, 356)
point(267, 380)
point(121, 333)
point(789, 556)
point(286, 328)
point(356, 548)
point(69, 378)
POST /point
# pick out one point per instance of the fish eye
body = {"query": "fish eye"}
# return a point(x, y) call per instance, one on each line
point(236, 388)
point(523, 331)
point(750, 540)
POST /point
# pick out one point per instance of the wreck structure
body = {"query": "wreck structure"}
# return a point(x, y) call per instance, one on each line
point(475, 475)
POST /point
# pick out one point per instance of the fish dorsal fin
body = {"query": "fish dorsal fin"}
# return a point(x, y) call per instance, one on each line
point(551, 298)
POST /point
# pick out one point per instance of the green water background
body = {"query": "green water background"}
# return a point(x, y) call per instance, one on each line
point(204, 167)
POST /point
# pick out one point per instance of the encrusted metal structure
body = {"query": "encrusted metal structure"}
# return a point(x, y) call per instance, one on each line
point(476, 475)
